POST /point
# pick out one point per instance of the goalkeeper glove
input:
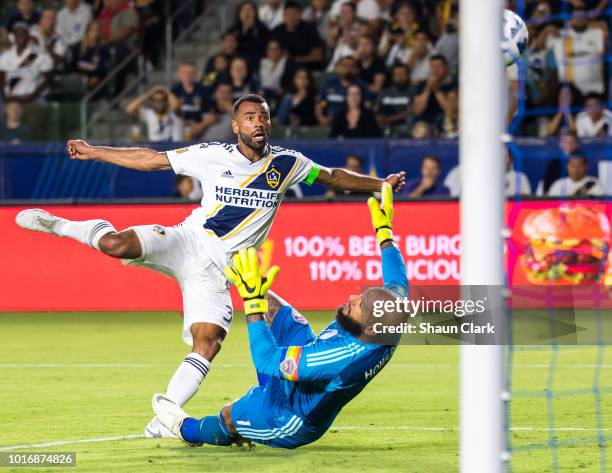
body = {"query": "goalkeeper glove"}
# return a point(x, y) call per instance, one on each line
point(382, 214)
point(251, 285)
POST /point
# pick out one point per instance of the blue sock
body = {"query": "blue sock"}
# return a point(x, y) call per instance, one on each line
point(210, 430)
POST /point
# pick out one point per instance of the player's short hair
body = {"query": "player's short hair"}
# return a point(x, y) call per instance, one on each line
point(593, 95)
point(579, 157)
point(395, 317)
point(293, 4)
point(438, 57)
point(433, 158)
point(351, 5)
point(250, 98)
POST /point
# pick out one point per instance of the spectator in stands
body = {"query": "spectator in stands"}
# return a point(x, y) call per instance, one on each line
point(275, 70)
point(45, 35)
point(316, 13)
point(568, 146)
point(271, 13)
point(190, 95)
point(90, 57)
point(516, 183)
point(299, 38)
point(183, 187)
point(430, 95)
point(429, 183)
point(161, 122)
point(357, 120)
point(26, 13)
point(72, 21)
point(563, 119)
point(13, 130)
point(228, 47)
point(333, 92)
point(297, 108)
point(578, 53)
point(577, 183)
point(152, 26)
point(5, 42)
point(595, 121)
point(217, 123)
point(25, 70)
point(399, 34)
point(119, 26)
point(251, 33)
point(240, 78)
point(219, 72)
point(417, 57)
point(448, 42)
point(393, 103)
point(373, 71)
point(354, 163)
point(366, 10)
point(448, 127)
point(341, 35)
point(420, 130)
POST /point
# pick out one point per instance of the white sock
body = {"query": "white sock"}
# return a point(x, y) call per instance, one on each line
point(187, 378)
point(88, 232)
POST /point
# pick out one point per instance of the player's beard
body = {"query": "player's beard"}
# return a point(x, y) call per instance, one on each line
point(247, 140)
point(348, 324)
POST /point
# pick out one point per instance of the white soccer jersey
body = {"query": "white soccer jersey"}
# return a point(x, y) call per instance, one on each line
point(579, 58)
point(25, 71)
point(240, 197)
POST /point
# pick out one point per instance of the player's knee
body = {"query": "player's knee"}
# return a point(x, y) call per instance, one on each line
point(207, 339)
point(116, 245)
point(207, 347)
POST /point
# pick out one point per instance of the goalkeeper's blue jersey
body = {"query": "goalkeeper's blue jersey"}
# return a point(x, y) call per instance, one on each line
point(315, 378)
point(330, 371)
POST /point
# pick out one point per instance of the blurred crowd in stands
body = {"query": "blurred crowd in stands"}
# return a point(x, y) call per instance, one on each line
point(348, 68)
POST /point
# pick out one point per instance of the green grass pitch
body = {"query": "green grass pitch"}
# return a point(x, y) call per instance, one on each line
point(69, 377)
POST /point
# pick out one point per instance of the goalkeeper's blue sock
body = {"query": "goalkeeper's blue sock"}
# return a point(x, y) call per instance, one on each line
point(211, 430)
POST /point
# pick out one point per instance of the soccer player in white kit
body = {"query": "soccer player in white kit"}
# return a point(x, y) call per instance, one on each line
point(243, 186)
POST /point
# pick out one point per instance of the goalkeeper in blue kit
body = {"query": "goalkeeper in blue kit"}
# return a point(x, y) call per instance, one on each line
point(305, 380)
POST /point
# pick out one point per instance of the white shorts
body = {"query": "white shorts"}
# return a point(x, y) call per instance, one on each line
point(177, 252)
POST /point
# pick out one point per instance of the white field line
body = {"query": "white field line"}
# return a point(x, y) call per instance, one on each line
point(355, 428)
point(247, 365)
point(70, 442)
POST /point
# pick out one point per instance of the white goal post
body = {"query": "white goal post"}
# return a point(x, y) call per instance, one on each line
point(482, 109)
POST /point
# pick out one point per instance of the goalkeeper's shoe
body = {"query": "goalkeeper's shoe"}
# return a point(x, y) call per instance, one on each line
point(171, 416)
point(37, 220)
point(156, 430)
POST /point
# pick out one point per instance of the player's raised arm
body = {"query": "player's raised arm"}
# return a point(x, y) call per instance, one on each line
point(344, 179)
point(141, 159)
point(268, 357)
point(394, 270)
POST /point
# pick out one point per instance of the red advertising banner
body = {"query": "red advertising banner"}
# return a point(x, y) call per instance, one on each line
point(325, 251)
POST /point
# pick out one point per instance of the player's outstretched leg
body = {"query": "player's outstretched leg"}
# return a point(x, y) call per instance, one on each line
point(98, 234)
point(211, 430)
point(186, 381)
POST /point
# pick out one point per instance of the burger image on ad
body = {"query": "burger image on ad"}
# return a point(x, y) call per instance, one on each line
point(567, 245)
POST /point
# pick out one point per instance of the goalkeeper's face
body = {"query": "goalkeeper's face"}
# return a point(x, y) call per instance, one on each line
point(252, 125)
point(349, 315)
point(358, 315)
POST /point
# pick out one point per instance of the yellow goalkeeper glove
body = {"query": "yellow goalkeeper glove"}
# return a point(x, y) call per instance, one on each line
point(251, 285)
point(382, 214)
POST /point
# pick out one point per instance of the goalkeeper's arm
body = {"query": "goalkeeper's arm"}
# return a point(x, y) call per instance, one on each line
point(393, 268)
